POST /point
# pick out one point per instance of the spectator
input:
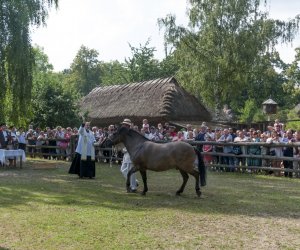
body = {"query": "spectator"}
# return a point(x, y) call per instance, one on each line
point(5, 135)
point(288, 152)
point(178, 137)
point(146, 129)
point(240, 150)
point(296, 164)
point(201, 137)
point(264, 150)
point(66, 146)
point(254, 150)
point(31, 141)
point(228, 160)
point(189, 129)
point(21, 137)
point(275, 151)
point(172, 131)
point(232, 133)
point(145, 124)
point(217, 149)
point(14, 139)
point(160, 128)
point(75, 131)
point(278, 128)
point(166, 127)
point(208, 148)
point(10, 142)
point(61, 143)
point(151, 135)
point(2, 137)
point(190, 135)
point(39, 143)
point(52, 143)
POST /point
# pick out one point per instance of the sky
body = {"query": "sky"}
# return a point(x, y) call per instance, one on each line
point(109, 26)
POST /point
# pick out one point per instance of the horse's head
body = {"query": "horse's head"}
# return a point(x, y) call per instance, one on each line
point(106, 143)
point(119, 136)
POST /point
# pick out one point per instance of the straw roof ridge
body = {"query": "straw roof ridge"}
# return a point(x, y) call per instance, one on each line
point(158, 99)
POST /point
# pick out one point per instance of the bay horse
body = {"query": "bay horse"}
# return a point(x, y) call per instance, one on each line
point(148, 155)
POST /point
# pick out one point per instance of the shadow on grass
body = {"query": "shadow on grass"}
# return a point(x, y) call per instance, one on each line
point(226, 193)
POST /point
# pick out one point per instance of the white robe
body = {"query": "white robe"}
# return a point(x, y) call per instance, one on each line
point(85, 145)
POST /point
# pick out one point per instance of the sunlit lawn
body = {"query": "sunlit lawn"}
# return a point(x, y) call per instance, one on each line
point(43, 207)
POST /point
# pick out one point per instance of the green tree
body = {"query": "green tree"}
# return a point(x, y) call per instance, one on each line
point(168, 66)
point(16, 57)
point(248, 111)
point(142, 66)
point(292, 80)
point(224, 46)
point(114, 73)
point(85, 72)
point(51, 104)
point(264, 82)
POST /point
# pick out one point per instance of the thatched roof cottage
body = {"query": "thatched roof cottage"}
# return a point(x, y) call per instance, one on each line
point(159, 100)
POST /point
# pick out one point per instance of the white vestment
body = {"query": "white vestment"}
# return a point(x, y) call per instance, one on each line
point(85, 145)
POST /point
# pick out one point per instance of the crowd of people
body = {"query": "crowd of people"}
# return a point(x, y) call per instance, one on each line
point(12, 138)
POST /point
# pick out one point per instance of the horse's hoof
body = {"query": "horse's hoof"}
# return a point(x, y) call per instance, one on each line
point(178, 193)
point(143, 193)
point(198, 193)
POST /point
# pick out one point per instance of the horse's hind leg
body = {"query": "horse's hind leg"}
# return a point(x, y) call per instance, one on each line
point(197, 186)
point(144, 177)
point(185, 178)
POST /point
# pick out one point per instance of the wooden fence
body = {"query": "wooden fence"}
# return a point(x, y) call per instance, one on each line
point(58, 153)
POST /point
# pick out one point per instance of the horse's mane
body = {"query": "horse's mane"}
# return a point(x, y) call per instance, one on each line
point(132, 132)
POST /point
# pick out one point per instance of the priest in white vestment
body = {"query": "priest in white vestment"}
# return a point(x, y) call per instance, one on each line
point(84, 161)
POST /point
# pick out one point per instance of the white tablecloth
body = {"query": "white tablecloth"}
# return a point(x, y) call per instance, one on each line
point(12, 153)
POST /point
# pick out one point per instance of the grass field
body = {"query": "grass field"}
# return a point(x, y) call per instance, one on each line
point(43, 207)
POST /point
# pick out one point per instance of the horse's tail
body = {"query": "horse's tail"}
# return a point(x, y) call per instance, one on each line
point(201, 168)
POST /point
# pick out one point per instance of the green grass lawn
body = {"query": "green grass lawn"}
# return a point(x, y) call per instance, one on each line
point(43, 207)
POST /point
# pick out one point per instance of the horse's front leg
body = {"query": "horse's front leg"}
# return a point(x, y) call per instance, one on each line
point(144, 177)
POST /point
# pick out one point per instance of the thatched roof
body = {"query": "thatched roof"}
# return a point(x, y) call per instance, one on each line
point(157, 100)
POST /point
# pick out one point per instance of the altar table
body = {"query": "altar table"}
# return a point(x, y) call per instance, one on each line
point(19, 154)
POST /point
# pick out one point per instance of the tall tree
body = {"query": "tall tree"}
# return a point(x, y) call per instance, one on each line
point(85, 72)
point(51, 103)
point(142, 66)
point(224, 45)
point(114, 73)
point(16, 57)
point(292, 80)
